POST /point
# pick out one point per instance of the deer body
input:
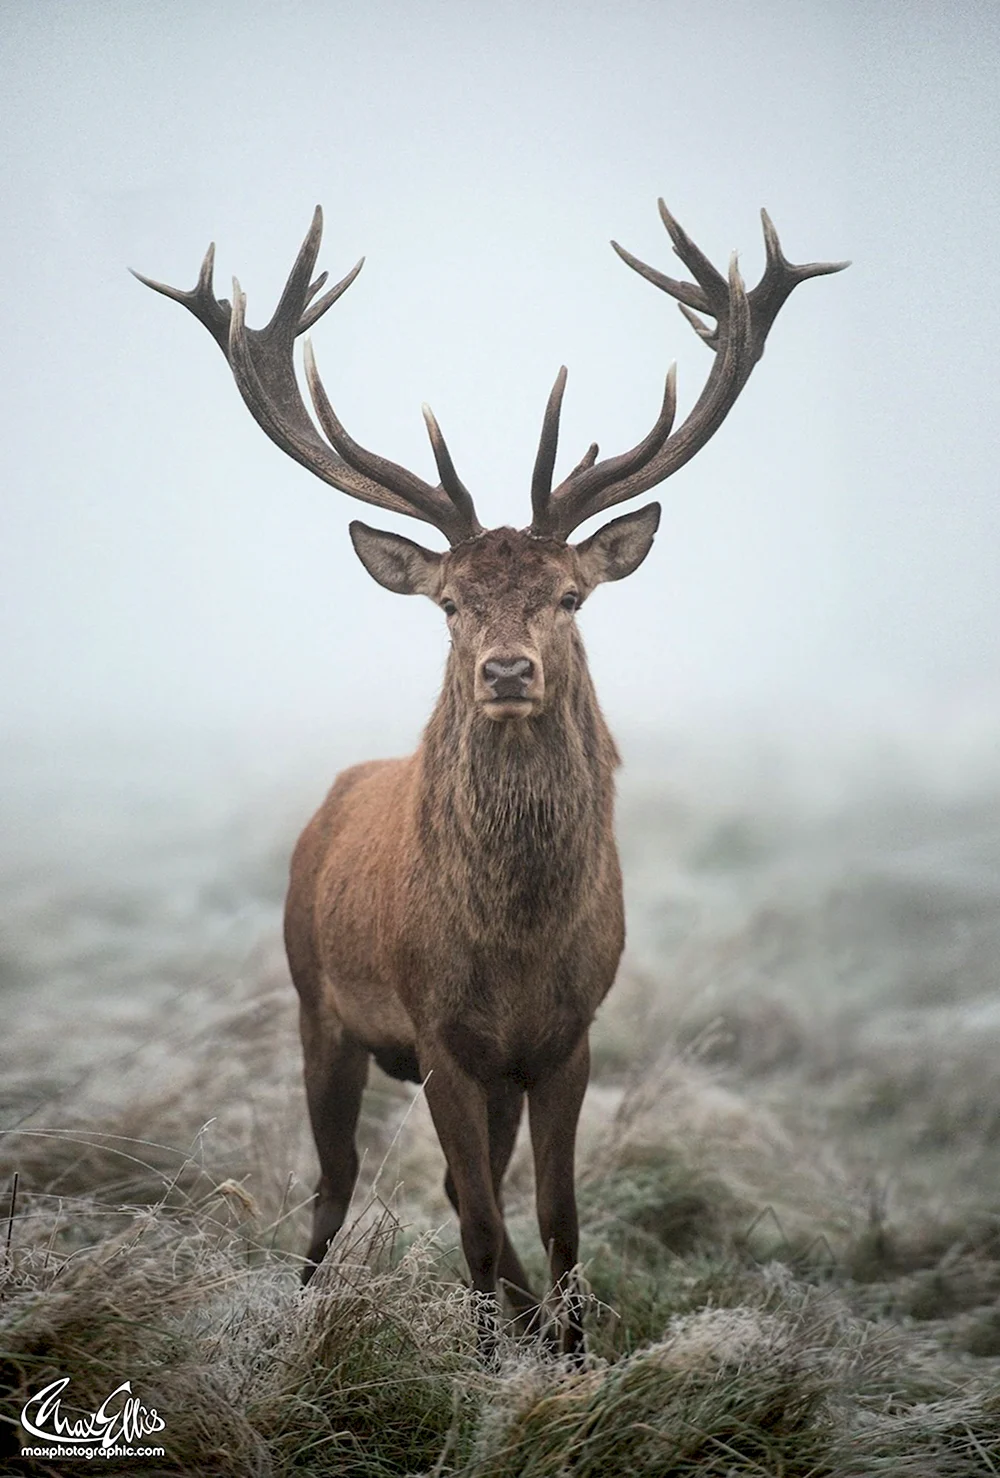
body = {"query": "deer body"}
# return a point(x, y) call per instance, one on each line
point(458, 914)
point(485, 881)
point(470, 941)
point(483, 935)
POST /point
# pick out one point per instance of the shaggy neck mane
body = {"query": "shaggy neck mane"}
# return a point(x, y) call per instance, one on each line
point(520, 811)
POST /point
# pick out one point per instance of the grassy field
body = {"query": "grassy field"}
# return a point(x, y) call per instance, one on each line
point(789, 1166)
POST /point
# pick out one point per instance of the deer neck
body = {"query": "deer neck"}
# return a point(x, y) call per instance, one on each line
point(518, 816)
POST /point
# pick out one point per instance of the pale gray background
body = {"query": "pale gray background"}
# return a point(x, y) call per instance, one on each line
point(829, 560)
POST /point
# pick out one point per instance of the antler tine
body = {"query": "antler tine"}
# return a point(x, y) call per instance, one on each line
point(548, 443)
point(781, 276)
point(292, 312)
point(450, 480)
point(314, 287)
point(743, 320)
point(199, 300)
point(685, 292)
point(285, 320)
point(422, 500)
point(703, 330)
point(710, 278)
point(263, 366)
point(310, 316)
point(590, 476)
point(587, 460)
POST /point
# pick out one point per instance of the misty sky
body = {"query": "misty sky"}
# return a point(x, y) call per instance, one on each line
point(832, 551)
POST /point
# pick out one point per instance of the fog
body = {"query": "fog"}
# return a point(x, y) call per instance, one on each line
point(803, 677)
point(829, 559)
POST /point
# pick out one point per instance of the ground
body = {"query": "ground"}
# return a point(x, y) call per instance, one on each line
point(788, 1166)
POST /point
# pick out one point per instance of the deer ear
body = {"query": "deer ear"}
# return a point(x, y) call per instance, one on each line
point(619, 547)
point(395, 562)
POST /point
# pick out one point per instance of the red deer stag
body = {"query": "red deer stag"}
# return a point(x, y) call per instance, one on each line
point(458, 915)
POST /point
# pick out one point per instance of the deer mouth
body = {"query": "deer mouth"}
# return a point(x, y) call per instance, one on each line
point(499, 709)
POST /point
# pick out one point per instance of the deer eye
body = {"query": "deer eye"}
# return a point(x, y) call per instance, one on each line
point(449, 607)
point(570, 601)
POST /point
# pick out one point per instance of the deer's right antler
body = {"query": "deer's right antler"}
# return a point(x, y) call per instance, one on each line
point(262, 363)
point(742, 323)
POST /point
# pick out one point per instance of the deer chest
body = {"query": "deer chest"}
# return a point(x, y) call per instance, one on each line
point(519, 1023)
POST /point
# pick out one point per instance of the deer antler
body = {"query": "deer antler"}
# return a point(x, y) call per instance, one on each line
point(742, 323)
point(262, 362)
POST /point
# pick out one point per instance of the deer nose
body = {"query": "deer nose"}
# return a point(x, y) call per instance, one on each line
point(508, 677)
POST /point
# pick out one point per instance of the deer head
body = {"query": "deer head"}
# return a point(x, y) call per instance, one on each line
point(509, 596)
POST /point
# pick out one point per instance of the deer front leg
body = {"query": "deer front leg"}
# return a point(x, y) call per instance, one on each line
point(553, 1111)
point(459, 1108)
point(504, 1106)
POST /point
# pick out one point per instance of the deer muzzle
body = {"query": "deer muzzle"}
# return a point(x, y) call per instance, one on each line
point(509, 686)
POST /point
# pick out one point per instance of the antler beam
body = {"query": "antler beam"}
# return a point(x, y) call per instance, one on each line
point(742, 323)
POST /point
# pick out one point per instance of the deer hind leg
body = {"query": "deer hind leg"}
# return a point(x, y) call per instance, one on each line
point(504, 1108)
point(336, 1069)
point(553, 1111)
